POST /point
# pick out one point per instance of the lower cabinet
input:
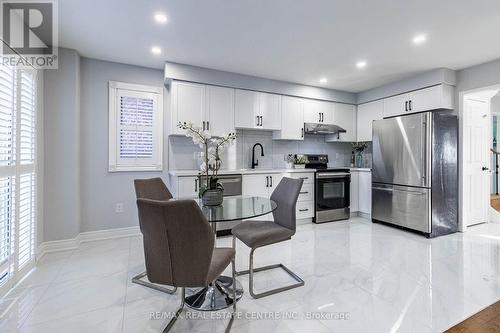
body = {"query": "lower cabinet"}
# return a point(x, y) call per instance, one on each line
point(365, 192)
point(361, 192)
point(185, 187)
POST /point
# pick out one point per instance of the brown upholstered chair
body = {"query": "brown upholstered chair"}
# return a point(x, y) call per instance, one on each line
point(179, 248)
point(154, 189)
point(256, 234)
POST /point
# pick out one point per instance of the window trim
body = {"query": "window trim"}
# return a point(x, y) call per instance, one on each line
point(113, 150)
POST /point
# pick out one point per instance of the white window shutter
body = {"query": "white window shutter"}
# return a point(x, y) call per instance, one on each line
point(18, 203)
point(136, 128)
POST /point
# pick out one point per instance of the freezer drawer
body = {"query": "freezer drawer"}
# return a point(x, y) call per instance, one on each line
point(404, 206)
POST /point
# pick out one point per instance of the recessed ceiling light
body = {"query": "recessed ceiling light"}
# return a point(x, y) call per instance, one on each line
point(323, 80)
point(156, 50)
point(361, 64)
point(160, 18)
point(419, 39)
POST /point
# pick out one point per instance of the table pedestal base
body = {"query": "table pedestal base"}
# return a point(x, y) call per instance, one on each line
point(216, 296)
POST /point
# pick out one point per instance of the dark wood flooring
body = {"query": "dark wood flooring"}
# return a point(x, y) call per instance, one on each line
point(486, 321)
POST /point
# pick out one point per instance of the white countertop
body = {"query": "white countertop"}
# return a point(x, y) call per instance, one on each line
point(186, 173)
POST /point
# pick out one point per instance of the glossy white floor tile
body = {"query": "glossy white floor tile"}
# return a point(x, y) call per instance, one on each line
point(360, 277)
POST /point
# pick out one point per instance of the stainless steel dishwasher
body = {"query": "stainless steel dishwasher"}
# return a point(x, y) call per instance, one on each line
point(232, 186)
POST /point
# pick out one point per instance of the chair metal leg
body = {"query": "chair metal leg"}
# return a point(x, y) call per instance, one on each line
point(177, 313)
point(138, 280)
point(253, 270)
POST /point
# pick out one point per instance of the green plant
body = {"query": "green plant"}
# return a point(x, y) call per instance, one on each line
point(359, 146)
point(300, 159)
point(212, 148)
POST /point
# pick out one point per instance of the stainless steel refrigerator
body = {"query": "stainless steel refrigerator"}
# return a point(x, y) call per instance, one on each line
point(415, 172)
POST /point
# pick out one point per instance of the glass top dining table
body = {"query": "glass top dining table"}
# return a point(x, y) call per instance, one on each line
point(238, 208)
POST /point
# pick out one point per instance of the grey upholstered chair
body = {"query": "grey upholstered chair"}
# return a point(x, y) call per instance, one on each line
point(179, 248)
point(256, 234)
point(154, 189)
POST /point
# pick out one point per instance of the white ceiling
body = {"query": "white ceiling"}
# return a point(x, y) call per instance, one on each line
point(291, 40)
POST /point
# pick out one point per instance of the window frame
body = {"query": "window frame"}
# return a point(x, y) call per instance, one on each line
point(117, 164)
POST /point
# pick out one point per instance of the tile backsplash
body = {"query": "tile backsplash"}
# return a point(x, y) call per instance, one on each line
point(184, 155)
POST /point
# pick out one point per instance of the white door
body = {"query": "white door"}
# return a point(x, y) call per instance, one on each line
point(292, 124)
point(188, 104)
point(246, 109)
point(219, 111)
point(367, 113)
point(476, 131)
point(270, 111)
point(397, 105)
point(345, 117)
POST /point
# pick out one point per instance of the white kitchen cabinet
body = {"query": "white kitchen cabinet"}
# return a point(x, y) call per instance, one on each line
point(292, 119)
point(436, 97)
point(261, 185)
point(208, 107)
point(219, 110)
point(186, 187)
point(270, 111)
point(320, 112)
point(257, 110)
point(187, 104)
point(395, 106)
point(354, 195)
point(365, 192)
point(367, 113)
point(344, 115)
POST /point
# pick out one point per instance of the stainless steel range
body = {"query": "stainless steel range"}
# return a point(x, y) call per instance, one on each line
point(332, 190)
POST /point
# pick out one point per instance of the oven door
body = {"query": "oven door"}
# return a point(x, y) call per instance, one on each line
point(332, 196)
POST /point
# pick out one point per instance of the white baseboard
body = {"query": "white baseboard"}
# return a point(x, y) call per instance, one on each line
point(83, 237)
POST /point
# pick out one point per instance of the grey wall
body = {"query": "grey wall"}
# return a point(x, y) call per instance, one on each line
point(479, 76)
point(234, 80)
point(61, 121)
point(100, 189)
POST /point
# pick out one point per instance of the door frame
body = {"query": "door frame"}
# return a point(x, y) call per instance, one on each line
point(462, 145)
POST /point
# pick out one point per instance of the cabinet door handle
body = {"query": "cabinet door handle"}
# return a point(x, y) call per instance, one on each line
point(208, 125)
point(406, 105)
point(303, 192)
point(319, 115)
point(322, 117)
point(203, 125)
point(261, 121)
point(302, 135)
point(257, 121)
point(267, 181)
point(303, 210)
point(409, 105)
point(304, 178)
point(196, 184)
point(271, 184)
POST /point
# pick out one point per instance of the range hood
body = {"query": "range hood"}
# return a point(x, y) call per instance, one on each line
point(313, 128)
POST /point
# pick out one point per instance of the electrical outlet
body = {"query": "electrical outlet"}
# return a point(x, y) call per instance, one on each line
point(119, 208)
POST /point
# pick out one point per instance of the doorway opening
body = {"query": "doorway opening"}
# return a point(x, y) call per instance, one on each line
point(480, 162)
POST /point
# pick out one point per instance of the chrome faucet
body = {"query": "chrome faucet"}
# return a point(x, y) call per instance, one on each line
point(254, 162)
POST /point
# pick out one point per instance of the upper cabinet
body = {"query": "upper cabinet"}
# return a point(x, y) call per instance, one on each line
point(257, 110)
point(344, 115)
point(292, 120)
point(320, 112)
point(219, 111)
point(436, 97)
point(208, 107)
point(187, 104)
point(367, 113)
